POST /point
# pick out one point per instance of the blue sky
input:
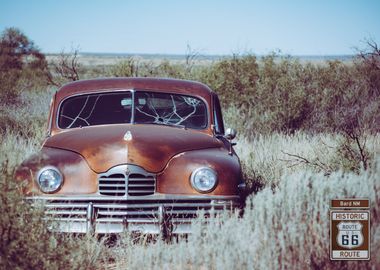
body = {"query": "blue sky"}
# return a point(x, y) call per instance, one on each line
point(298, 27)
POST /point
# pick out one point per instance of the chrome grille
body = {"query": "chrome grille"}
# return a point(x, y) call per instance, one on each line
point(117, 215)
point(127, 179)
point(139, 184)
point(113, 185)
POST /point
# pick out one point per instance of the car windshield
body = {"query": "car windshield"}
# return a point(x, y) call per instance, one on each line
point(140, 107)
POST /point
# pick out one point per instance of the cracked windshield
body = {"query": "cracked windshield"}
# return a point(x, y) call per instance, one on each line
point(149, 108)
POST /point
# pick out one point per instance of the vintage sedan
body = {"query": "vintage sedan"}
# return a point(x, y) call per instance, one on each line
point(133, 154)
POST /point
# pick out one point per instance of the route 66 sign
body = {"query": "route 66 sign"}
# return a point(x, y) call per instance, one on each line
point(349, 235)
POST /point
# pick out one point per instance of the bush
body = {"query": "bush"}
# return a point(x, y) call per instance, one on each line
point(65, 68)
point(28, 115)
point(132, 67)
point(22, 65)
point(27, 243)
point(282, 228)
point(281, 94)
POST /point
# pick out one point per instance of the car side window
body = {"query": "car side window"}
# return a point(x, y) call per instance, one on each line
point(218, 117)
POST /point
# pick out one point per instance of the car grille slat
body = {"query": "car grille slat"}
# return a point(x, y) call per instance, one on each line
point(126, 180)
point(67, 212)
point(136, 192)
point(63, 205)
point(150, 205)
point(137, 178)
point(113, 179)
point(112, 193)
point(139, 185)
point(112, 185)
point(120, 213)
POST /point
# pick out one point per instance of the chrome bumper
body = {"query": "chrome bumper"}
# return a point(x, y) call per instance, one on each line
point(154, 214)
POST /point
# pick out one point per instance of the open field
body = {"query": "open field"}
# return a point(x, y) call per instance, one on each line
point(285, 224)
point(308, 132)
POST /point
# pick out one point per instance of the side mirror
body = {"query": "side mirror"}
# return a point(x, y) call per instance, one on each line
point(230, 134)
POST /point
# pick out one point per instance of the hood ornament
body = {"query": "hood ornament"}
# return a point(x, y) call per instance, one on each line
point(127, 171)
point(128, 136)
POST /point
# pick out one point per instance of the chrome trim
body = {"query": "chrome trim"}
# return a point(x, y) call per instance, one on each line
point(51, 113)
point(126, 171)
point(242, 187)
point(90, 218)
point(133, 92)
point(156, 196)
point(151, 215)
point(162, 221)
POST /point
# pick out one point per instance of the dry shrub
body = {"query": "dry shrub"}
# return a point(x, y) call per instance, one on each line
point(28, 116)
point(133, 67)
point(269, 156)
point(26, 242)
point(284, 228)
point(352, 153)
point(22, 65)
point(65, 68)
point(277, 93)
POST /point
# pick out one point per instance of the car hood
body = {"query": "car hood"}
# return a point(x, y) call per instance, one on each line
point(148, 146)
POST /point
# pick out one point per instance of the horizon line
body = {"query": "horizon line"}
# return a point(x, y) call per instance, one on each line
point(205, 54)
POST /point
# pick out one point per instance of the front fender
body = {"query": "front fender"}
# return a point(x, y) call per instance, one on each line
point(78, 178)
point(175, 178)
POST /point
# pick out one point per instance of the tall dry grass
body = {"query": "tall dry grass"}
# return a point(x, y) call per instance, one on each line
point(285, 224)
point(267, 157)
point(284, 228)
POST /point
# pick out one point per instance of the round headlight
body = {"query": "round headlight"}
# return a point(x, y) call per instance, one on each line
point(204, 179)
point(49, 179)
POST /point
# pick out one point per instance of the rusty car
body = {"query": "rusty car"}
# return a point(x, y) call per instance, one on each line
point(133, 154)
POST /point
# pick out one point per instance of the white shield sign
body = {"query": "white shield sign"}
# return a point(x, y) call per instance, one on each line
point(350, 234)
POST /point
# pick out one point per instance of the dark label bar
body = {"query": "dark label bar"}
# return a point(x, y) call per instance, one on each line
point(350, 203)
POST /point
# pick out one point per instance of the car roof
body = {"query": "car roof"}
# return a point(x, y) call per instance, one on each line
point(154, 84)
